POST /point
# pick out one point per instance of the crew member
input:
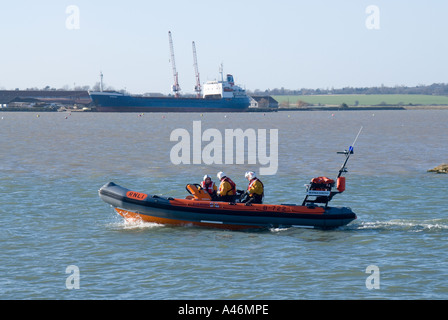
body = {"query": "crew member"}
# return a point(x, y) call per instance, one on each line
point(255, 190)
point(209, 186)
point(227, 188)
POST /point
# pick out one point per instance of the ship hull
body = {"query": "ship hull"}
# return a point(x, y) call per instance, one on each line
point(115, 102)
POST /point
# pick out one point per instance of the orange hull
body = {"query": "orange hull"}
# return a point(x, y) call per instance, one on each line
point(133, 216)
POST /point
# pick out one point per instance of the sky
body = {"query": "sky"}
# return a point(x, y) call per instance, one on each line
point(264, 44)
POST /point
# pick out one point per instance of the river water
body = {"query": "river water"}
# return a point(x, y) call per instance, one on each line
point(56, 232)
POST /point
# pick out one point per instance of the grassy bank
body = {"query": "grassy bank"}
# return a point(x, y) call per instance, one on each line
point(363, 100)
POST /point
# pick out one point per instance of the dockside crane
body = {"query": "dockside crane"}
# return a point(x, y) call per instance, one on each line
point(197, 87)
point(175, 87)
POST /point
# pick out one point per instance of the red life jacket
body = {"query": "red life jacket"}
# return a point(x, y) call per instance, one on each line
point(208, 187)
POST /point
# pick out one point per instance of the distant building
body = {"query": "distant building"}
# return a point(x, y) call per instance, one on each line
point(9, 98)
point(263, 102)
point(153, 94)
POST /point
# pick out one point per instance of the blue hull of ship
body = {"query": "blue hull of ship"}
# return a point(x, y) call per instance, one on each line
point(124, 103)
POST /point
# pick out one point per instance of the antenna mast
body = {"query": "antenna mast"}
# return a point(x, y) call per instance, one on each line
point(197, 87)
point(175, 88)
point(221, 71)
point(101, 81)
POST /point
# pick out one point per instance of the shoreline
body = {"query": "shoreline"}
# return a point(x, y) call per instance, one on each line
point(365, 108)
point(280, 109)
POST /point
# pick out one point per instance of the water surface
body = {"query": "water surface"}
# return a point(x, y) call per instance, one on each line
point(52, 165)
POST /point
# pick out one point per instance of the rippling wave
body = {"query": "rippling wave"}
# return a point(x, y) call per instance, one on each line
point(437, 225)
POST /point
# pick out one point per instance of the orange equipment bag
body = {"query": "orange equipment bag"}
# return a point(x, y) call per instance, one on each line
point(340, 184)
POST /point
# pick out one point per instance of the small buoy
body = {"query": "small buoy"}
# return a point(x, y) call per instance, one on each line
point(37, 116)
point(332, 114)
point(163, 117)
point(201, 114)
point(66, 117)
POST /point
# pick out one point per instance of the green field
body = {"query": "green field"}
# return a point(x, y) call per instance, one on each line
point(363, 99)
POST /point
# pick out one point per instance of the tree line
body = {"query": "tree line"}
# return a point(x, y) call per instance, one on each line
point(438, 89)
point(433, 89)
point(75, 87)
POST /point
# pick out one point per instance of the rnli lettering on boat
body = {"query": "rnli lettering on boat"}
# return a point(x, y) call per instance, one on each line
point(136, 195)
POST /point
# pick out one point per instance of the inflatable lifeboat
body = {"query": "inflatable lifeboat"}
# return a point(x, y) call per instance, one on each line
point(198, 209)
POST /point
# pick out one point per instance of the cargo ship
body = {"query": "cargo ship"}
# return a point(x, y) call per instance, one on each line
point(218, 96)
